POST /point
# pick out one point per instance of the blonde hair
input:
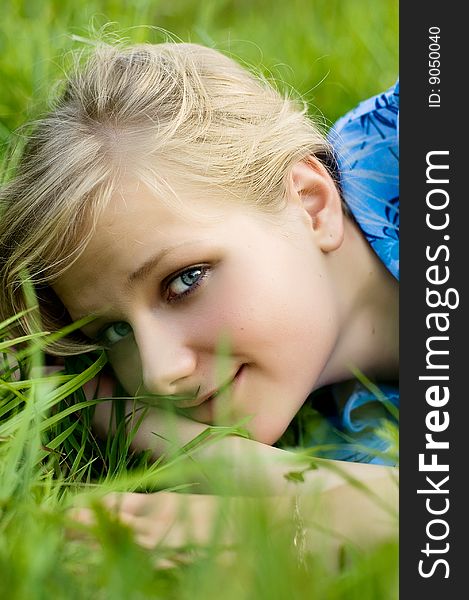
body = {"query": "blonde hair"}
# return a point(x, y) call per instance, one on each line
point(148, 109)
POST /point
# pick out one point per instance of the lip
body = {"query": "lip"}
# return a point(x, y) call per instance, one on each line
point(193, 403)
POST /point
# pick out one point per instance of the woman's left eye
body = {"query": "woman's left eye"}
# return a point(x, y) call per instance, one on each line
point(186, 282)
point(113, 333)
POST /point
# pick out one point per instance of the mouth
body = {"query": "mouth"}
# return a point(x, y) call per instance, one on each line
point(192, 403)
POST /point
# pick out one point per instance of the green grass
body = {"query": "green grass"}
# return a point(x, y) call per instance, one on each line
point(335, 53)
point(49, 460)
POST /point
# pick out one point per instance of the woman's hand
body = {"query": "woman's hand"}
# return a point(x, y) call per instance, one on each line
point(168, 518)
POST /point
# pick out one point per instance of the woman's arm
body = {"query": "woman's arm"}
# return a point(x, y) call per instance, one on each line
point(315, 522)
point(356, 502)
point(253, 467)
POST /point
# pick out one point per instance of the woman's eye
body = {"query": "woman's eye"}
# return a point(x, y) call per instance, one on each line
point(114, 333)
point(186, 282)
point(183, 284)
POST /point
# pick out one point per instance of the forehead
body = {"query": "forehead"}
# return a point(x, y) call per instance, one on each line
point(176, 205)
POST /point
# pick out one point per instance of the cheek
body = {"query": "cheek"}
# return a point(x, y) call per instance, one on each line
point(125, 361)
point(266, 309)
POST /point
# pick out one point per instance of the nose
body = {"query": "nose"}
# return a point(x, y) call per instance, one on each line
point(168, 363)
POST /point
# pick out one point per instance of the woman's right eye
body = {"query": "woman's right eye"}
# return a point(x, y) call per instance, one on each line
point(114, 333)
point(186, 282)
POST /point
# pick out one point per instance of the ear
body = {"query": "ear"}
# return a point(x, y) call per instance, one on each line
point(312, 186)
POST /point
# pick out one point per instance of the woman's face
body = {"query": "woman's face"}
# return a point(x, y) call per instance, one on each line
point(170, 283)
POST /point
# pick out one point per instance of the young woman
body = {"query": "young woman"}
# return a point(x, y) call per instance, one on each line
point(182, 202)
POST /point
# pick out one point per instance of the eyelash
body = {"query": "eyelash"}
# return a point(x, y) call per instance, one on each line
point(104, 336)
point(205, 270)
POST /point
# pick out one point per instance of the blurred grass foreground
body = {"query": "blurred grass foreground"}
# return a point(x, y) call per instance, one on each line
point(50, 462)
point(334, 53)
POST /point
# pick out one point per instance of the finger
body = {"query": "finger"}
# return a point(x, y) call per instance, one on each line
point(84, 516)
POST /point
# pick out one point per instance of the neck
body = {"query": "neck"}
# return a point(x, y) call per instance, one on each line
point(369, 339)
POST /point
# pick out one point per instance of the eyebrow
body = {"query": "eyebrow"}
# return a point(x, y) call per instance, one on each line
point(145, 269)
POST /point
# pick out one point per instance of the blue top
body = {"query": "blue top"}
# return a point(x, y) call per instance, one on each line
point(366, 143)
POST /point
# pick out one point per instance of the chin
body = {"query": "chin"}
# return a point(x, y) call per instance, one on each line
point(266, 431)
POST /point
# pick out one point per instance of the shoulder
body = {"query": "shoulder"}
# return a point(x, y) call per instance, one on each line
point(378, 115)
point(366, 144)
